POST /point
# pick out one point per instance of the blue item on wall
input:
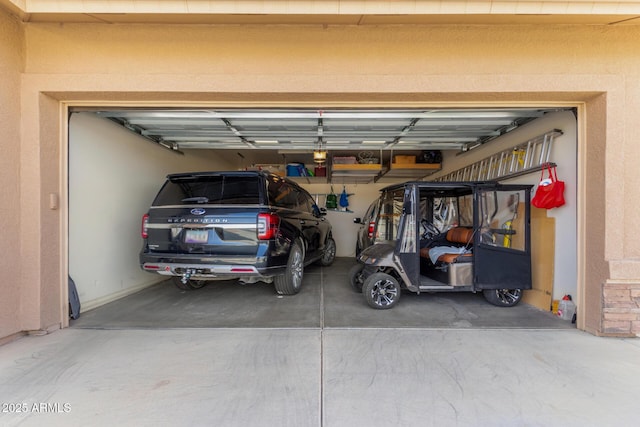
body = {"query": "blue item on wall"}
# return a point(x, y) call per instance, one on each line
point(344, 198)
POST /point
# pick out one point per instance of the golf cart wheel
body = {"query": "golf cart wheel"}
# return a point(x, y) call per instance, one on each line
point(381, 291)
point(190, 285)
point(503, 297)
point(291, 281)
point(355, 277)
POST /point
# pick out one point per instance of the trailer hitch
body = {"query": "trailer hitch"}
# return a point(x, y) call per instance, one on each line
point(187, 275)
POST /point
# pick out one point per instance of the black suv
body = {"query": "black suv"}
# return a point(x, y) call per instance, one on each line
point(251, 226)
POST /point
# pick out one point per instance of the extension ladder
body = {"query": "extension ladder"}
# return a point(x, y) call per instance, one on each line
point(524, 158)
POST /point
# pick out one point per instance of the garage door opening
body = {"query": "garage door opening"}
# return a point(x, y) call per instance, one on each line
point(118, 158)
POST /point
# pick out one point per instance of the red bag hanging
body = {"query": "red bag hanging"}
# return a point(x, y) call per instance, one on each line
point(550, 191)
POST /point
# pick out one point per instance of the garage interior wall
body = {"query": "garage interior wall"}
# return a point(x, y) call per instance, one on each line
point(564, 154)
point(11, 67)
point(412, 64)
point(114, 175)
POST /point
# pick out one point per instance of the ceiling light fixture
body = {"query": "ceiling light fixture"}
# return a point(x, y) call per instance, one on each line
point(320, 153)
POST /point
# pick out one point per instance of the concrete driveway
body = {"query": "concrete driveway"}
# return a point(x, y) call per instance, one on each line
point(231, 355)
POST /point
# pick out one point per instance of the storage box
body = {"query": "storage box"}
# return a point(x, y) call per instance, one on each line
point(320, 171)
point(347, 160)
point(405, 159)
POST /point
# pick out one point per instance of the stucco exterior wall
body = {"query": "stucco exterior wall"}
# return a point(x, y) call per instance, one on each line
point(11, 65)
point(593, 67)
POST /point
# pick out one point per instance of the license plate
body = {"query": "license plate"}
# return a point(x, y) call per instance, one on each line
point(196, 236)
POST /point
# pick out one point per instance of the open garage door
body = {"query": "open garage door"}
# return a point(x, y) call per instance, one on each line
point(118, 158)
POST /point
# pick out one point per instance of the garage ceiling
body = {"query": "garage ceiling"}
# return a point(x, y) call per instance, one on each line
point(289, 130)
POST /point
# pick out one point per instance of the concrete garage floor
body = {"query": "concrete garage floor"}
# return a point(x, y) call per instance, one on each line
point(279, 368)
point(325, 301)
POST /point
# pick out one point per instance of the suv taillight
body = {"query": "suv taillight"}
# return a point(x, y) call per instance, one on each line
point(267, 225)
point(143, 229)
point(372, 226)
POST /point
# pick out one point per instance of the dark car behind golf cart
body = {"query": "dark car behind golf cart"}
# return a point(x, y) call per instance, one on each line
point(448, 237)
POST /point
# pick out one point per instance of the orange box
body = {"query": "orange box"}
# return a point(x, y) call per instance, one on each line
point(405, 159)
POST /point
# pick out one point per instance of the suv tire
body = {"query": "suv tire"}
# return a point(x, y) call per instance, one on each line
point(291, 281)
point(329, 254)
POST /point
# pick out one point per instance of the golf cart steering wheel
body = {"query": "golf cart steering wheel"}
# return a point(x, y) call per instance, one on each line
point(430, 230)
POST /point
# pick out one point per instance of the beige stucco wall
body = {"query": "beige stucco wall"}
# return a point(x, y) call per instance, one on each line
point(11, 64)
point(594, 67)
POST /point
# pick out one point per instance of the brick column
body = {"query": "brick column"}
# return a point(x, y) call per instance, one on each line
point(621, 309)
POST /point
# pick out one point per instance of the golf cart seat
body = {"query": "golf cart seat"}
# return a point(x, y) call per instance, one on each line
point(460, 238)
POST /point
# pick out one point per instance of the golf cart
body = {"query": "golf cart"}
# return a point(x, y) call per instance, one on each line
point(448, 237)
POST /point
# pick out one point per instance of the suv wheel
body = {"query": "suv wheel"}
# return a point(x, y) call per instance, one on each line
point(290, 282)
point(190, 285)
point(381, 291)
point(329, 253)
point(503, 297)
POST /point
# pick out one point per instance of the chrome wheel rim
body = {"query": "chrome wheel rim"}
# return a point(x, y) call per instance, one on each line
point(508, 296)
point(384, 293)
point(330, 251)
point(296, 269)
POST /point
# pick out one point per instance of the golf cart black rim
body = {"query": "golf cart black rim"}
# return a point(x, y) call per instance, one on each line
point(384, 292)
point(508, 296)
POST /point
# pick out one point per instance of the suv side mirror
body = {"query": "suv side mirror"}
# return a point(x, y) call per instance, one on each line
point(357, 220)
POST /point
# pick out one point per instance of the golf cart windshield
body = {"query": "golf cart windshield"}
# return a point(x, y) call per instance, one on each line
point(502, 219)
point(390, 213)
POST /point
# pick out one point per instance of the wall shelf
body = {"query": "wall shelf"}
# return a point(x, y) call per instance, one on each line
point(385, 170)
point(309, 179)
point(412, 170)
point(356, 173)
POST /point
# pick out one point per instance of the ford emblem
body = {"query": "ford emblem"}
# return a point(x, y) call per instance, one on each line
point(197, 211)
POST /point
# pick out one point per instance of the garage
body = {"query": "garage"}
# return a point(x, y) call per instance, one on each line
point(79, 171)
point(119, 157)
point(365, 59)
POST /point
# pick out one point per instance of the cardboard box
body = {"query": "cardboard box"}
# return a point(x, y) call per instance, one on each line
point(346, 160)
point(405, 159)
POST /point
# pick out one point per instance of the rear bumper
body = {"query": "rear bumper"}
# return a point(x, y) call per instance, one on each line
point(203, 269)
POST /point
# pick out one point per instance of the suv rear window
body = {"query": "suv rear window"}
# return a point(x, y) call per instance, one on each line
point(210, 189)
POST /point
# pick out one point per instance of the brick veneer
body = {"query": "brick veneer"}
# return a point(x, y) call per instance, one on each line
point(621, 309)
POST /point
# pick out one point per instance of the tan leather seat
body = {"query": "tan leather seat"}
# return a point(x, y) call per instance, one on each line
point(460, 235)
